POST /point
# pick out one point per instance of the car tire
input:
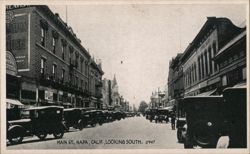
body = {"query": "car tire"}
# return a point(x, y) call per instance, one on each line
point(93, 125)
point(16, 140)
point(179, 135)
point(188, 144)
point(42, 136)
point(58, 135)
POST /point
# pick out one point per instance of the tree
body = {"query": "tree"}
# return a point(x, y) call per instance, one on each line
point(142, 107)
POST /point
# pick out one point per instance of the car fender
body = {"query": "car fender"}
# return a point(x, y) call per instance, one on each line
point(15, 131)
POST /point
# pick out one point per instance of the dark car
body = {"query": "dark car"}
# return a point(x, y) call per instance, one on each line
point(204, 117)
point(151, 114)
point(180, 121)
point(41, 121)
point(235, 123)
point(162, 115)
point(71, 117)
point(88, 117)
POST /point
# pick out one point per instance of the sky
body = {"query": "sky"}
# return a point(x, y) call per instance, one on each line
point(135, 42)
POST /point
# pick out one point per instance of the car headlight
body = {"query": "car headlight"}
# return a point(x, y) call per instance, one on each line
point(209, 124)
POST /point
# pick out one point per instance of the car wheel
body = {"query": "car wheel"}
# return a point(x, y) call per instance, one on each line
point(93, 125)
point(100, 123)
point(58, 134)
point(188, 144)
point(42, 136)
point(179, 135)
point(16, 140)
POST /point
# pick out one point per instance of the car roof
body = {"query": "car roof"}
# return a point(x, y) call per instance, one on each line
point(71, 109)
point(44, 107)
point(202, 99)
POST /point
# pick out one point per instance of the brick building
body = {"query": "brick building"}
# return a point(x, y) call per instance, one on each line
point(214, 60)
point(54, 67)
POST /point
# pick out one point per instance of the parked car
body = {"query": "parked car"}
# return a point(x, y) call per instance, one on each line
point(71, 117)
point(180, 121)
point(151, 114)
point(42, 121)
point(87, 118)
point(161, 115)
point(204, 117)
point(235, 123)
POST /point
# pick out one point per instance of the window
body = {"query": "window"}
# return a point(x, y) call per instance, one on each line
point(77, 81)
point(63, 52)
point(81, 67)
point(86, 68)
point(54, 70)
point(206, 63)
point(43, 36)
point(53, 45)
point(63, 74)
point(210, 60)
point(199, 67)
point(224, 80)
point(86, 85)
point(202, 67)
point(82, 84)
point(43, 64)
point(214, 50)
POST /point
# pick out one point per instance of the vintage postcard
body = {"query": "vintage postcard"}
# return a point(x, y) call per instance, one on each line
point(163, 76)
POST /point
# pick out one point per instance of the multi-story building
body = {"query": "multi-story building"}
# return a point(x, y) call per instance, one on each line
point(53, 65)
point(199, 68)
point(106, 93)
point(215, 59)
point(95, 82)
point(175, 78)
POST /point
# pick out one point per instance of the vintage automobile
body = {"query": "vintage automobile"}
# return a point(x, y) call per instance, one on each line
point(204, 117)
point(162, 115)
point(42, 121)
point(180, 121)
point(88, 117)
point(71, 116)
point(151, 114)
point(235, 123)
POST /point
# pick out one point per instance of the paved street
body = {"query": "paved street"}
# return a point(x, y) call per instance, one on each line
point(134, 133)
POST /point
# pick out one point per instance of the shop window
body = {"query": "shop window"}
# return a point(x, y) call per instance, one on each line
point(244, 77)
point(54, 96)
point(41, 94)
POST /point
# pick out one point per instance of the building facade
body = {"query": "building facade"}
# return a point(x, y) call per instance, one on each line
point(54, 67)
point(199, 67)
point(214, 60)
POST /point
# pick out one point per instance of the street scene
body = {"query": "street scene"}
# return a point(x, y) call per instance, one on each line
point(119, 134)
point(130, 76)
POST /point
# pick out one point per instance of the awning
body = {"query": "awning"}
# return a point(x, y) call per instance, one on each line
point(14, 102)
point(208, 93)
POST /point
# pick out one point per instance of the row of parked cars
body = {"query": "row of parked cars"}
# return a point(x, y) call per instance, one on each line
point(44, 120)
point(203, 120)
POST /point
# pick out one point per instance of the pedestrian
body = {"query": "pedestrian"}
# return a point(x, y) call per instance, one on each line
point(173, 122)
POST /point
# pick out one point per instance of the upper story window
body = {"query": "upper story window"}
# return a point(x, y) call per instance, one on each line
point(63, 52)
point(43, 36)
point(44, 28)
point(54, 67)
point(53, 45)
point(63, 74)
point(43, 65)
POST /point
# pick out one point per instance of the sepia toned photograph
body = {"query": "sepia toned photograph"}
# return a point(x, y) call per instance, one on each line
point(125, 76)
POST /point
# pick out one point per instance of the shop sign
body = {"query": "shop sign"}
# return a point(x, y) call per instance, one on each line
point(11, 66)
point(48, 95)
point(18, 38)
